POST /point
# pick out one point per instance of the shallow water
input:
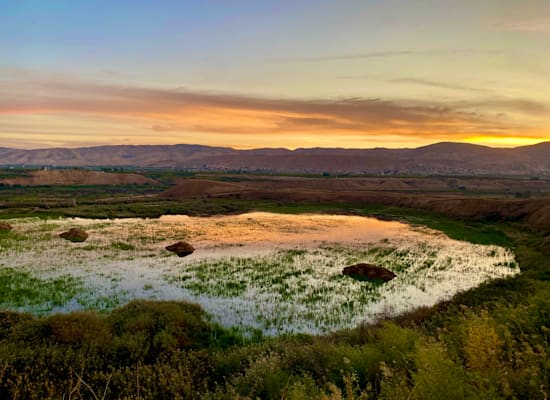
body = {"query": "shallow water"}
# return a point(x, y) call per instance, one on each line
point(261, 232)
point(274, 272)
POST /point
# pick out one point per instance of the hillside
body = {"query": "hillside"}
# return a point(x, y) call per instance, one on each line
point(436, 159)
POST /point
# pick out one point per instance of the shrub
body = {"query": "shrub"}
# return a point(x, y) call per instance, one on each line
point(482, 344)
point(145, 329)
point(78, 328)
point(10, 322)
point(437, 376)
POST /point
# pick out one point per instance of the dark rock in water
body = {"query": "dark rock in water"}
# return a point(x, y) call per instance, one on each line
point(182, 249)
point(74, 235)
point(369, 272)
point(5, 227)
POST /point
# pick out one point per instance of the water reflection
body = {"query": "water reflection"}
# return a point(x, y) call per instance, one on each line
point(270, 230)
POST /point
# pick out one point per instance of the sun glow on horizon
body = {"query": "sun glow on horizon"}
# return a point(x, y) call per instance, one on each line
point(506, 141)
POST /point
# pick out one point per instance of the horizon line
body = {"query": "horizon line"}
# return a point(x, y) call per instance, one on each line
point(272, 148)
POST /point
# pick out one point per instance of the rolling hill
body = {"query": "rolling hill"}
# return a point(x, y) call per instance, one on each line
point(437, 159)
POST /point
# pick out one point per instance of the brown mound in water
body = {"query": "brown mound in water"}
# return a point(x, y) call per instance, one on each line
point(369, 272)
point(5, 227)
point(182, 249)
point(78, 177)
point(74, 235)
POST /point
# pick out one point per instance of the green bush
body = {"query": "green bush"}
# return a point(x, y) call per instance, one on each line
point(438, 377)
point(143, 330)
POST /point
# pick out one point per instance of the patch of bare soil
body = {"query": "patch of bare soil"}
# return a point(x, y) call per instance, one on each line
point(197, 188)
point(383, 184)
point(78, 177)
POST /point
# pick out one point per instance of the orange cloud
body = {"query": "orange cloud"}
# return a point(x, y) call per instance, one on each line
point(189, 112)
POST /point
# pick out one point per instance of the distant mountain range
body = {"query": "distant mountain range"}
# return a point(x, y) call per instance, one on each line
point(437, 159)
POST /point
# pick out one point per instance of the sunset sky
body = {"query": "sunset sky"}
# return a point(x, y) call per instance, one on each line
point(254, 73)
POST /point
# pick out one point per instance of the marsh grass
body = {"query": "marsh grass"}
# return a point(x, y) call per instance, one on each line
point(11, 240)
point(276, 290)
point(123, 246)
point(20, 289)
point(304, 289)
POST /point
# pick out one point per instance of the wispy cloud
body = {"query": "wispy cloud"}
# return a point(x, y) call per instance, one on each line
point(439, 85)
point(214, 112)
point(396, 53)
point(184, 111)
point(421, 82)
point(528, 107)
point(529, 25)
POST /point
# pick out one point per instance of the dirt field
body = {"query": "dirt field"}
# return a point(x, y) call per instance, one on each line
point(494, 186)
point(77, 177)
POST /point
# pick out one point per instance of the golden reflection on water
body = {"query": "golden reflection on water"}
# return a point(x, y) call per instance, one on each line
point(270, 228)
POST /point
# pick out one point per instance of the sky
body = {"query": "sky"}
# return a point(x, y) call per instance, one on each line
point(259, 73)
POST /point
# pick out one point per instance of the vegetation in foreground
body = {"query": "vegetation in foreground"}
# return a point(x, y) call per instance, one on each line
point(491, 342)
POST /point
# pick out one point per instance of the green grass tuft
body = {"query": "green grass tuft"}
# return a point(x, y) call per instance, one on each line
point(21, 290)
